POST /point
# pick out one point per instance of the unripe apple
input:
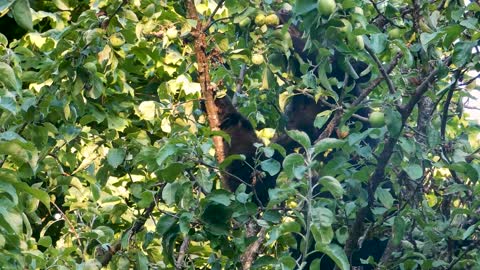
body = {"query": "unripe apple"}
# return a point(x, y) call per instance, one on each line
point(117, 40)
point(257, 59)
point(394, 33)
point(357, 42)
point(172, 33)
point(376, 119)
point(326, 7)
point(272, 20)
point(358, 10)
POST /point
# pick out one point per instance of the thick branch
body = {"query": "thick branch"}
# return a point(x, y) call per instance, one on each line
point(420, 91)
point(379, 174)
point(253, 250)
point(208, 92)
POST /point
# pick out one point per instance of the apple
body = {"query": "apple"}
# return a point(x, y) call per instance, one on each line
point(358, 10)
point(172, 33)
point(260, 19)
point(376, 119)
point(356, 42)
point(117, 40)
point(326, 7)
point(257, 59)
point(394, 33)
point(272, 20)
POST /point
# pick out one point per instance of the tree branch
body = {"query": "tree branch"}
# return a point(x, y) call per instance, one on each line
point(379, 174)
point(208, 92)
point(253, 250)
point(391, 87)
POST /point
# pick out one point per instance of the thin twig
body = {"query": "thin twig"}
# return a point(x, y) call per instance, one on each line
point(219, 5)
point(106, 22)
point(391, 87)
point(72, 228)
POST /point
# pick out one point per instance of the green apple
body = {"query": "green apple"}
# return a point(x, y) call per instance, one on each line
point(376, 119)
point(326, 7)
point(394, 33)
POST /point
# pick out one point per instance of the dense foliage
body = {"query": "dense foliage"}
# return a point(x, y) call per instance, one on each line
point(106, 156)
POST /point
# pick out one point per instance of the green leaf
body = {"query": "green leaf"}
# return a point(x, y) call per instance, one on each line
point(332, 185)
point(335, 253)
point(165, 152)
point(385, 197)
point(117, 123)
point(427, 38)
point(264, 261)
point(3, 39)
point(9, 104)
point(322, 118)
point(322, 235)
point(169, 192)
point(217, 218)
point(378, 42)
point(22, 14)
point(227, 161)
point(11, 220)
point(41, 195)
point(7, 188)
point(322, 216)
point(172, 171)
point(414, 171)
point(294, 166)
point(290, 227)
point(462, 52)
point(399, 228)
point(95, 189)
point(393, 119)
point(164, 224)
point(300, 137)
point(326, 144)
point(8, 78)
point(304, 6)
point(45, 241)
point(20, 152)
point(220, 196)
point(456, 188)
point(271, 166)
point(115, 157)
point(141, 261)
